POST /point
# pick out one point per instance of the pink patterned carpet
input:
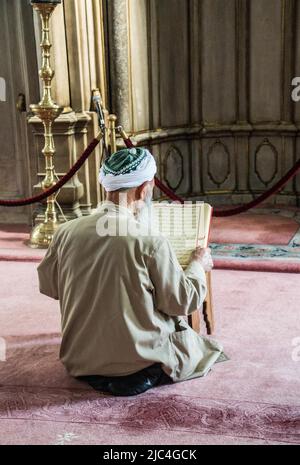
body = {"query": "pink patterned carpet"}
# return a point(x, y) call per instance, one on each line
point(259, 240)
point(254, 229)
point(251, 399)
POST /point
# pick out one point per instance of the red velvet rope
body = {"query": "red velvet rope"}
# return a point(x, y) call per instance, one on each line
point(235, 210)
point(168, 192)
point(58, 185)
point(261, 198)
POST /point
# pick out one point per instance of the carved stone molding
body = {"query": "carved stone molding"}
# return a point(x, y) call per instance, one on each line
point(173, 167)
point(266, 162)
point(218, 159)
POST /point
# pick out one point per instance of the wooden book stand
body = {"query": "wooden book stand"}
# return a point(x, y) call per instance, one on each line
point(194, 319)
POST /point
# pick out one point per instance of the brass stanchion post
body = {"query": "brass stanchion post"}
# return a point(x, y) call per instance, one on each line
point(112, 132)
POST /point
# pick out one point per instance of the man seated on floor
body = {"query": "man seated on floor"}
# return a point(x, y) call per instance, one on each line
point(122, 292)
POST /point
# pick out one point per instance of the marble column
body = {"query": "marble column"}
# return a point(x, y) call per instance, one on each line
point(119, 60)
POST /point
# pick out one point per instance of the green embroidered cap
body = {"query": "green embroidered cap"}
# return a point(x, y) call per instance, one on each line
point(124, 161)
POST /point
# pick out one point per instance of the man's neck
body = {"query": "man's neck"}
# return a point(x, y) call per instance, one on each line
point(122, 199)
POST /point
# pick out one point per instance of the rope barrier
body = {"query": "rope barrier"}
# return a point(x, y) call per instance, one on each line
point(235, 210)
point(59, 184)
point(261, 198)
point(168, 192)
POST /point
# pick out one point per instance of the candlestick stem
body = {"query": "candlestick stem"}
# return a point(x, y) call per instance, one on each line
point(47, 110)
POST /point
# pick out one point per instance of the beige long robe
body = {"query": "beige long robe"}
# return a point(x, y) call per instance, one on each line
point(123, 299)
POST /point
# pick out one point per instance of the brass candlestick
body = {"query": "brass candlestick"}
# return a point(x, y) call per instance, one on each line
point(47, 110)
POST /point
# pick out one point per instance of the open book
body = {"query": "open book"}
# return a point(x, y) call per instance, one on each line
point(185, 225)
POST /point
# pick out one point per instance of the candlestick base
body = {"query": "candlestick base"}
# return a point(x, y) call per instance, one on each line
point(42, 235)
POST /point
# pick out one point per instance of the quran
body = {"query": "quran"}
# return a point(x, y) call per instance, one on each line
point(185, 225)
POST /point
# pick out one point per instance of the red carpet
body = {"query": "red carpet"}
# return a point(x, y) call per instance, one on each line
point(251, 399)
point(12, 244)
point(254, 229)
point(265, 241)
point(12, 236)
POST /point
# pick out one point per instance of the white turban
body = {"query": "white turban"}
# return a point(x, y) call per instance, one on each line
point(127, 168)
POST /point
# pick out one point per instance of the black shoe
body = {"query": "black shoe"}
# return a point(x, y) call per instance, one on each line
point(99, 383)
point(137, 383)
point(130, 385)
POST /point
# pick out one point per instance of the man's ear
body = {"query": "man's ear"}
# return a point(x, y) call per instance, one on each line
point(141, 191)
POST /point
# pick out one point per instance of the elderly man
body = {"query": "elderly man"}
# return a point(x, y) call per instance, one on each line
point(122, 293)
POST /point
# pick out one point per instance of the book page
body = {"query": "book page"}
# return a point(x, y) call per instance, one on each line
point(185, 225)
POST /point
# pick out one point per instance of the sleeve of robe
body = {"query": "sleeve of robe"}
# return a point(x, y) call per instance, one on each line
point(176, 292)
point(48, 273)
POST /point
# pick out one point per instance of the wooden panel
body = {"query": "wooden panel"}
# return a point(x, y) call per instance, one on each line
point(173, 61)
point(176, 165)
point(78, 54)
point(218, 164)
point(287, 59)
point(19, 69)
point(265, 166)
point(60, 85)
point(242, 162)
point(14, 156)
point(139, 65)
point(222, 64)
point(288, 158)
point(242, 59)
point(195, 62)
point(197, 172)
point(297, 178)
point(7, 116)
point(265, 60)
point(218, 60)
point(296, 58)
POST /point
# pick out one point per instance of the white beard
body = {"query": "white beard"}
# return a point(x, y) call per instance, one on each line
point(144, 213)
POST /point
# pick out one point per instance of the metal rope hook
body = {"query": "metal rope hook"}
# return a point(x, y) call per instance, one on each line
point(98, 105)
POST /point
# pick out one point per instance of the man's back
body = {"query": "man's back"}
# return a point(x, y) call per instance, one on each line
point(121, 297)
point(106, 299)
